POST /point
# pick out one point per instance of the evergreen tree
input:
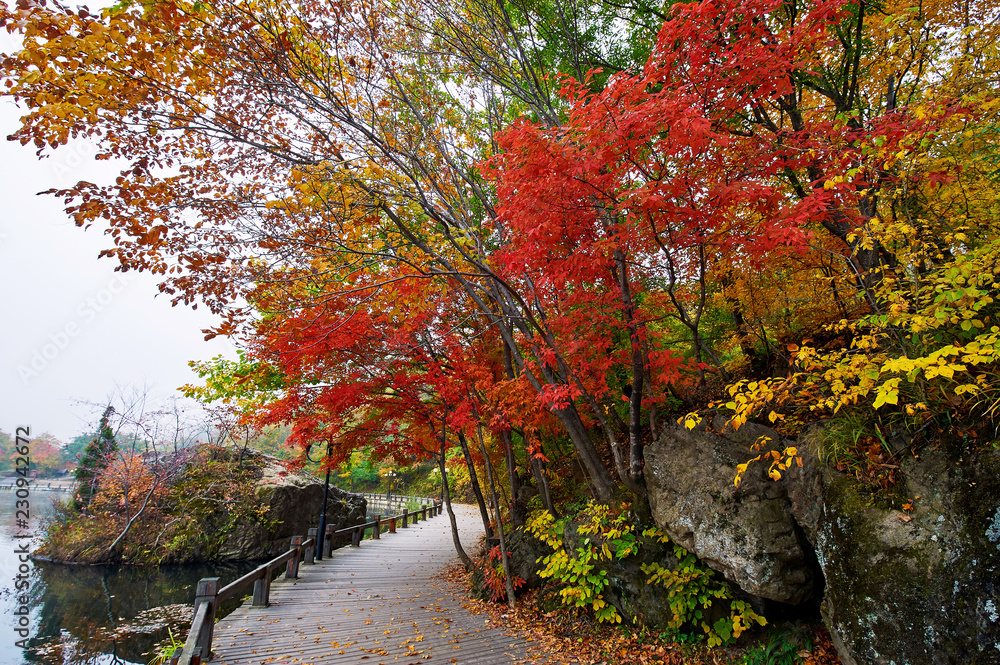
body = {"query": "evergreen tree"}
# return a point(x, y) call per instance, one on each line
point(95, 459)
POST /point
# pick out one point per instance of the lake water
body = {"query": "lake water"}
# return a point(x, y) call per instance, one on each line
point(88, 615)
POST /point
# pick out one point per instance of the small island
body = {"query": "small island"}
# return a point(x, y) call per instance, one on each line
point(205, 503)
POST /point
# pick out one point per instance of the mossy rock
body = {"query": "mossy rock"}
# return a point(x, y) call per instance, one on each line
point(916, 587)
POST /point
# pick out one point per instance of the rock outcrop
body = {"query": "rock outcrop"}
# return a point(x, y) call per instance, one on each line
point(747, 533)
point(917, 587)
point(628, 588)
point(290, 504)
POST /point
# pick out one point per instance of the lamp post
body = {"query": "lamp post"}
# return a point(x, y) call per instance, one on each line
point(391, 475)
point(435, 472)
point(321, 532)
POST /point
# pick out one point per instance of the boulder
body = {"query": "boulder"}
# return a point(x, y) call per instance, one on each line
point(628, 588)
point(919, 587)
point(290, 504)
point(747, 533)
point(523, 551)
point(637, 600)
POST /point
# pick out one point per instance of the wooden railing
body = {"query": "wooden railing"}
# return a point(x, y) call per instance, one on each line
point(198, 647)
point(37, 486)
point(395, 502)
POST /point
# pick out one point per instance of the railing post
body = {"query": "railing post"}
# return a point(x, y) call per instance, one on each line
point(308, 558)
point(392, 525)
point(356, 537)
point(406, 517)
point(328, 541)
point(262, 588)
point(378, 527)
point(292, 571)
point(208, 589)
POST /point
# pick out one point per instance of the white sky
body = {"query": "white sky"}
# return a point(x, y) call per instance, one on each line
point(73, 329)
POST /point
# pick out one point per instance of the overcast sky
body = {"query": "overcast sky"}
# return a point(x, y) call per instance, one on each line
point(73, 329)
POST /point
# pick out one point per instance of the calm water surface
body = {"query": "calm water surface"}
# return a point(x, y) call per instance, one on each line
point(94, 615)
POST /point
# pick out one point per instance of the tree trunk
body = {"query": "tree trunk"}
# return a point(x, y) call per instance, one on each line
point(635, 455)
point(518, 511)
point(543, 485)
point(466, 561)
point(476, 489)
point(601, 482)
point(508, 582)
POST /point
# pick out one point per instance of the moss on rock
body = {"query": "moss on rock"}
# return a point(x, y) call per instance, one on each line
point(915, 587)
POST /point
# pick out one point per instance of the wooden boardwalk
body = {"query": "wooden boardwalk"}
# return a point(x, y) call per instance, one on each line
point(385, 603)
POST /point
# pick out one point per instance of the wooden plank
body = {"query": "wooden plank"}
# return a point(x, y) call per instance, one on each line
point(385, 603)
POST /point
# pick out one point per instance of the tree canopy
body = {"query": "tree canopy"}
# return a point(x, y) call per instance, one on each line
point(531, 223)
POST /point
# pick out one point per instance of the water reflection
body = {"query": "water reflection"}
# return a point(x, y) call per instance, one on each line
point(120, 610)
point(92, 615)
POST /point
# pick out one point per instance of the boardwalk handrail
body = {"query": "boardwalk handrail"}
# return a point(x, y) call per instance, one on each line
point(198, 646)
point(357, 531)
point(398, 498)
point(37, 486)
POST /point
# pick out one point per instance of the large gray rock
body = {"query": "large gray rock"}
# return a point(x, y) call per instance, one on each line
point(914, 588)
point(290, 504)
point(920, 587)
point(747, 533)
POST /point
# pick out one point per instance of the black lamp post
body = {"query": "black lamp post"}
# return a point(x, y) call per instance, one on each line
point(321, 531)
point(437, 472)
point(391, 475)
